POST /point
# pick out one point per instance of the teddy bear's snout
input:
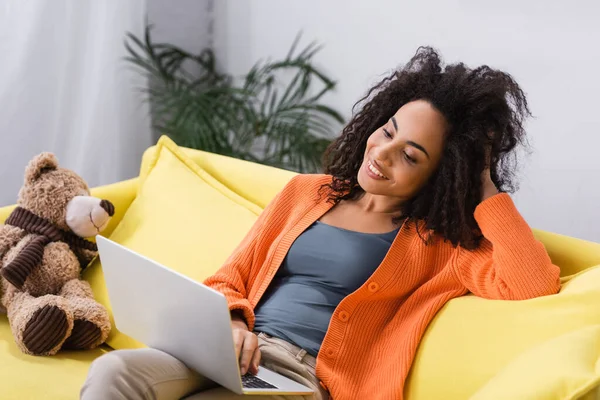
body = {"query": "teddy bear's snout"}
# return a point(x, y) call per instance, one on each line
point(87, 216)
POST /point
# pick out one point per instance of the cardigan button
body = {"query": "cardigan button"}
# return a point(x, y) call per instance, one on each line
point(343, 316)
point(373, 287)
point(323, 386)
point(330, 352)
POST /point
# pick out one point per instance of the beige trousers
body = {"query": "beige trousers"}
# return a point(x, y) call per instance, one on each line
point(154, 375)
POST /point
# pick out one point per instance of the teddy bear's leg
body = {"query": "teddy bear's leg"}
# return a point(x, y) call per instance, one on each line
point(92, 324)
point(40, 325)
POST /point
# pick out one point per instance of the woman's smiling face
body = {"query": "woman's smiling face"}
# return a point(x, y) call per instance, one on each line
point(403, 154)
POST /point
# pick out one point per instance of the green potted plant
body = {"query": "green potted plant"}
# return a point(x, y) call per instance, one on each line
point(272, 115)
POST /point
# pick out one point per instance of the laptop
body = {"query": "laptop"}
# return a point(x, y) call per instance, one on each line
point(168, 311)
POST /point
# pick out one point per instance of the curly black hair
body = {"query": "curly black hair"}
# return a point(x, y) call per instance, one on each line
point(485, 109)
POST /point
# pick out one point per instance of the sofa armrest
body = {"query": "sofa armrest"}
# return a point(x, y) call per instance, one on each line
point(121, 194)
point(572, 255)
point(5, 212)
point(563, 367)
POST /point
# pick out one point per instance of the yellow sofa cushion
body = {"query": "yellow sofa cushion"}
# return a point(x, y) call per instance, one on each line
point(31, 378)
point(183, 218)
point(511, 349)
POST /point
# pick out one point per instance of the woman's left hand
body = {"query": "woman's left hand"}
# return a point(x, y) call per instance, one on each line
point(488, 189)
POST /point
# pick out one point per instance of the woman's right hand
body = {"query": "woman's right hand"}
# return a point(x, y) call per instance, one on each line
point(246, 346)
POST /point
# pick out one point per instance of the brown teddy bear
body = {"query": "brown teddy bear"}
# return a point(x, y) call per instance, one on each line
point(42, 252)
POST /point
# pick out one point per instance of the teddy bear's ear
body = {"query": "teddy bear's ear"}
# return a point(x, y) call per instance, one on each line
point(40, 164)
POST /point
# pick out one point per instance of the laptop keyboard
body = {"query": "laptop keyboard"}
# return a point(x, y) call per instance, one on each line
point(250, 381)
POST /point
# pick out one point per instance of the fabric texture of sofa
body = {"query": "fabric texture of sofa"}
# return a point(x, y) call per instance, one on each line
point(546, 348)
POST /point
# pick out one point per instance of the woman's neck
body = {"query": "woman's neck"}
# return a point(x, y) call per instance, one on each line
point(371, 203)
point(368, 214)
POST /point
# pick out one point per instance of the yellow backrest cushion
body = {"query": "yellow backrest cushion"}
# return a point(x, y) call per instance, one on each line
point(256, 182)
point(491, 348)
point(183, 218)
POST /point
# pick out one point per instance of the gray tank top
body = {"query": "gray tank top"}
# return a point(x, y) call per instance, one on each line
point(324, 265)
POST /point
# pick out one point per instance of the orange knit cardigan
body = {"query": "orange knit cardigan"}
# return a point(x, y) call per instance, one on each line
point(374, 332)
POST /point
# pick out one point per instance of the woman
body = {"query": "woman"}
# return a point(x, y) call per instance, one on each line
point(342, 272)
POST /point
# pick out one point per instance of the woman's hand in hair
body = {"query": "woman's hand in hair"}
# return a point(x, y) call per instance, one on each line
point(488, 188)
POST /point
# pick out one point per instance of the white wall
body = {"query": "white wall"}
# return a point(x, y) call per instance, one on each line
point(65, 88)
point(183, 23)
point(550, 47)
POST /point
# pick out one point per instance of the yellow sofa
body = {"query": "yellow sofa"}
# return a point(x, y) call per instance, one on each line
point(61, 376)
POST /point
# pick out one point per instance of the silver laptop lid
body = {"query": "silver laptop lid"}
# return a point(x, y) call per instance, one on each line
point(168, 311)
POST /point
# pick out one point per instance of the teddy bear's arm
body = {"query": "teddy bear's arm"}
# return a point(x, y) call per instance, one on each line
point(9, 237)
